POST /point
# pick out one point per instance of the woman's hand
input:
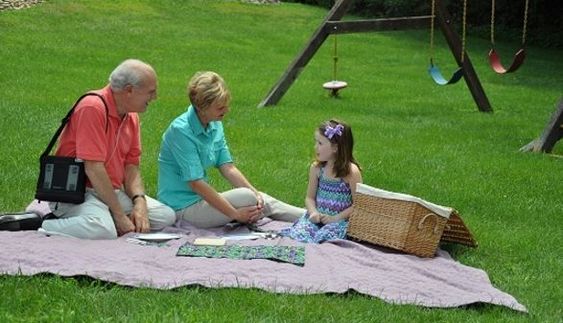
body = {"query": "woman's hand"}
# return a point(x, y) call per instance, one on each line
point(249, 214)
point(260, 200)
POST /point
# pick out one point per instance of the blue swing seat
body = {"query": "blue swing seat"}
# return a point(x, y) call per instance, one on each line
point(439, 79)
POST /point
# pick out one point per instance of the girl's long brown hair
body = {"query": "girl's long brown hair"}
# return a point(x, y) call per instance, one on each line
point(344, 144)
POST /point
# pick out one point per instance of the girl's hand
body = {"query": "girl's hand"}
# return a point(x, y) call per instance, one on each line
point(326, 219)
point(315, 217)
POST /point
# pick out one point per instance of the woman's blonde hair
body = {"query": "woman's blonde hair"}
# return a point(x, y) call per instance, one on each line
point(208, 87)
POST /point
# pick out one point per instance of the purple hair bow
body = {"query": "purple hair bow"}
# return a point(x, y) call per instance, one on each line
point(331, 131)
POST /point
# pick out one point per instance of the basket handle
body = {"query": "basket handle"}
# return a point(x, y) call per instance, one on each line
point(421, 222)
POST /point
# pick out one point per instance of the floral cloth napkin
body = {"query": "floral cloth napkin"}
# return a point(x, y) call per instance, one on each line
point(290, 254)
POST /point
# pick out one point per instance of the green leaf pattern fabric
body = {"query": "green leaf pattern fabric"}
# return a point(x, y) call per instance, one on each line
point(290, 254)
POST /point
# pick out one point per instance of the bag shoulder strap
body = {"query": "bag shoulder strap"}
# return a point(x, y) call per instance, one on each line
point(65, 120)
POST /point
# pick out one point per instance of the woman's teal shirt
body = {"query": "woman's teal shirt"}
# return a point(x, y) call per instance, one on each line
point(186, 152)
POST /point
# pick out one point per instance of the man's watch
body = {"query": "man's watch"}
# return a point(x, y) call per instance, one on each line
point(136, 196)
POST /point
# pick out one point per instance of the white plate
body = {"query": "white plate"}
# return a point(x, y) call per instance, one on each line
point(157, 237)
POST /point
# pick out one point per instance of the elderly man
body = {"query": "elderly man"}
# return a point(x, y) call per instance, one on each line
point(109, 143)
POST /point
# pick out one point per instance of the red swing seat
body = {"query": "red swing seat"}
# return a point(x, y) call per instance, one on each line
point(496, 65)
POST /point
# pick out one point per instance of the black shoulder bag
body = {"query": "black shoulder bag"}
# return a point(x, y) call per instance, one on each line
point(63, 179)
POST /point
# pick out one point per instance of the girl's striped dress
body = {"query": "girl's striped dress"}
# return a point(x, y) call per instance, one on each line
point(333, 196)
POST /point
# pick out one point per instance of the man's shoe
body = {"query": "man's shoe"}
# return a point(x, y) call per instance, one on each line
point(19, 221)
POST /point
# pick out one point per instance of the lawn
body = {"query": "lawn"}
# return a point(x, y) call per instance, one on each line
point(411, 136)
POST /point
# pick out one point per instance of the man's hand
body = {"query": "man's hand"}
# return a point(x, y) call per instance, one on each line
point(139, 215)
point(98, 176)
point(123, 225)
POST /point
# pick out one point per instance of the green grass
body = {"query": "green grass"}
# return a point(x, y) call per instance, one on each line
point(411, 136)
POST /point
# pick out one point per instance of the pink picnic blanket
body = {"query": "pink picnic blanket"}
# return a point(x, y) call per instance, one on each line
point(333, 267)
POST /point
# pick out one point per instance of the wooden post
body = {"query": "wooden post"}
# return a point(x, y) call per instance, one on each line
point(469, 74)
point(551, 134)
point(292, 72)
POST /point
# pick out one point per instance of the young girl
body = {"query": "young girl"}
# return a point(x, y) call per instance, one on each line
point(332, 181)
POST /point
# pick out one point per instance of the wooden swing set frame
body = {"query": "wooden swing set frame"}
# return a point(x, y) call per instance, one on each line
point(551, 134)
point(332, 25)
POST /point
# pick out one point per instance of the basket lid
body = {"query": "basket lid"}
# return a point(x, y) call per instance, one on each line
point(440, 210)
point(457, 232)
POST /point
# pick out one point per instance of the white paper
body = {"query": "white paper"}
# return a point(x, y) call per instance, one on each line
point(242, 236)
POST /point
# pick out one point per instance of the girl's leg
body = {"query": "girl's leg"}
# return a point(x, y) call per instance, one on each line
point(332, 231)
point(303, 230)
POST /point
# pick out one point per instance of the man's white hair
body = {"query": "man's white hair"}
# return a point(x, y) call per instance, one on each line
point(129, 72)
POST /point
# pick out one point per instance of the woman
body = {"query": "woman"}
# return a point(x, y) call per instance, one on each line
point(194, 142)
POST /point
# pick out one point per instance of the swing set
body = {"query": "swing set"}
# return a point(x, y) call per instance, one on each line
point(332, 25)
point(494, 58)
point(552, 133)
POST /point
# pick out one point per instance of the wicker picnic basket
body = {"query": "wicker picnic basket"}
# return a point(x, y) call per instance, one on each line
point(398, 221)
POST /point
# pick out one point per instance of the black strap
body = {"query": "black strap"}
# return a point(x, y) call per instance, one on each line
point(67, 118)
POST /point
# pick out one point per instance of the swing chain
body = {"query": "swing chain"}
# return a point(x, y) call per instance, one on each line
point(493, 23)
point(463, 30)
point(432, 16)
point(524, 28)
point(335, 56)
